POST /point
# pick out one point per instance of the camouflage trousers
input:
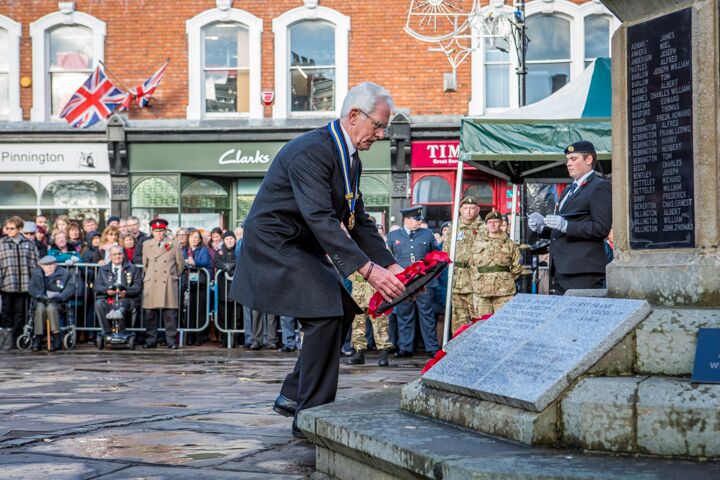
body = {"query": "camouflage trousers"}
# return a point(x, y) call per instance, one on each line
point(487, 305)
point(463, 310)
point(380, 331)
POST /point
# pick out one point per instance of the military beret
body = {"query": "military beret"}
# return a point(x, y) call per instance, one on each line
point(469, 201)
point(580, 147)
point(158, 224)
point(414, 212)
point(47, 260)
point(446, 224)
point(493, 216)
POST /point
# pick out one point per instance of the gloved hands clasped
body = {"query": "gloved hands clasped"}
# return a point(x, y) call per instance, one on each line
point(536, 222)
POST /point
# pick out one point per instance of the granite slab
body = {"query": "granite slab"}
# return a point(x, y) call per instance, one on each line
point(529, 352)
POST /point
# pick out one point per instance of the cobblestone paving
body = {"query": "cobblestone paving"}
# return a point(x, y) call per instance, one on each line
point(194, 413)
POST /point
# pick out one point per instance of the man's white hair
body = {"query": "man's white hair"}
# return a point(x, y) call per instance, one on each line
point(366, 96)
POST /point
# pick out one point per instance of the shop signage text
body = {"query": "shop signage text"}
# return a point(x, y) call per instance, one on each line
point(435, 154)
point(54, 157)
point(235, 156)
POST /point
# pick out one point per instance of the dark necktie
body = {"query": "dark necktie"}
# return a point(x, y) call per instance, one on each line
point(570, 193)
point(116, 275)
point(412, 234)
point(354, 168)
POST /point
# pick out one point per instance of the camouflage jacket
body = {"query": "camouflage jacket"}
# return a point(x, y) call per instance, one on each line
point(465, 248)
point(362, 291)
point(496, 266)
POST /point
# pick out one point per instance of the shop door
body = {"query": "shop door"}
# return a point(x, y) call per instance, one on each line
point(205, 202)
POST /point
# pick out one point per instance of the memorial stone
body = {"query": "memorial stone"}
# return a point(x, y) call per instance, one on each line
point(530, 351)
point(660, 147)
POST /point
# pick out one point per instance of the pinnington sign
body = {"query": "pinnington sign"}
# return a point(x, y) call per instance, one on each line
point(54, 157)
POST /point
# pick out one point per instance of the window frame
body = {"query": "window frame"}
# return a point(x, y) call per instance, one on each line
point(564, 8)
point(281, 24)
point(39, 34)
point(196, 61)
point(14, 31)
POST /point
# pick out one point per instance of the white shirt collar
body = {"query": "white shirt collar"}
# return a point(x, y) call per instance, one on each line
point(580, 180)
point(348, 142)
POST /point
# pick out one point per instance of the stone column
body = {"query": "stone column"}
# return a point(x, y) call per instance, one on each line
point(688, 276)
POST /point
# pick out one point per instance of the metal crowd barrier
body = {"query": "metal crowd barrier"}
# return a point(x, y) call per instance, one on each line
point(228, 314)
point(194, 290)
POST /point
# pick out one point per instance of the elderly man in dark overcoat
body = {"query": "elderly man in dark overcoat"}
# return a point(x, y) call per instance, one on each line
point(308, 228)
point(163, 262)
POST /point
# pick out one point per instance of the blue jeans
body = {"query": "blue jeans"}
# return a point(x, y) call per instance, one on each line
point(406, 311)
point(289, 335)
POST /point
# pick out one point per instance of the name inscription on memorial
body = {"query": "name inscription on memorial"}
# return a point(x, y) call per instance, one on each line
point(530, 351)
point(660, 136)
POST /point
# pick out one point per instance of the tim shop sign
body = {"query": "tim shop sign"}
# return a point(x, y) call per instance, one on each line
point(434, 154)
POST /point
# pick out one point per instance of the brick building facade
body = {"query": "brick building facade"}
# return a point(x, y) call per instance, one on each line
point(179, 145)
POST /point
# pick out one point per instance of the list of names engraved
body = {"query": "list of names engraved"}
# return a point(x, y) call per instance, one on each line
point(660, 135)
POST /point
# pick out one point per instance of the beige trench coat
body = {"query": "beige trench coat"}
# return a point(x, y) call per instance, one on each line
point(163, 266)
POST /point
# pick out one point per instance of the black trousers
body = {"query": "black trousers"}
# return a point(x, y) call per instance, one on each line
point(565, 282)
point(13, 311)
point(314, 379)
point(152, 321)
point(102, 307)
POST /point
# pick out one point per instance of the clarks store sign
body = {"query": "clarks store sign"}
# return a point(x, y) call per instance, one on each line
point(435, 154)
point(54, 157)
point(221, 157)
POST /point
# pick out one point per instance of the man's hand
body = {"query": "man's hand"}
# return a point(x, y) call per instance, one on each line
point(384, 280)
point(536, 221)
point(556, 222)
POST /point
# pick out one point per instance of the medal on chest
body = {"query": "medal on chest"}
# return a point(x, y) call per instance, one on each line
point(350, 184)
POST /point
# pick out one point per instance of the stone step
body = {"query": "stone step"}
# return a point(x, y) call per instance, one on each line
point(369, 437)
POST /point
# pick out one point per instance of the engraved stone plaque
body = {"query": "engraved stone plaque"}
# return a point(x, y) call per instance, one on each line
point(530, 351)
point(660, 136)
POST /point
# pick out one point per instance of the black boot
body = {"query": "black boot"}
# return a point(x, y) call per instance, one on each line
point(383, 360)
point(56, 342)
point(357, 358)
point(37, 341)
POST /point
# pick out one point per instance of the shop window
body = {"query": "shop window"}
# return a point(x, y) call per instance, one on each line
point(155, 192)
point(65, 49)
point(75, 193)
point(497, 76)
point(375, 192)
point(247, 189)
point(311, 61)
point(224, 49)
point(548, 55)
point(481, 191)
point(432, 189)
point(16, 193)
point(597, 37)
point(10, 32)
point(205, 194)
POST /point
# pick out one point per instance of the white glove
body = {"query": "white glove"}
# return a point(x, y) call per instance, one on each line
point(556, 222)
point(536, 221)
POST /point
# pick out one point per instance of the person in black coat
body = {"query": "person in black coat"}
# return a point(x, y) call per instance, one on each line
point(229, 312)
point(306, 229)
point(51, 287)
point(581, 224)
point(119, 277)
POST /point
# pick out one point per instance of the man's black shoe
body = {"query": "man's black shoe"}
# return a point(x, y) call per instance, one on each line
point(255, 346)
point(297, 433)
point(383, 360)
point(173, 347)
point(347, 353)
point(149, 345)
point(403, 354)
point(287, 349)
point(284, 406)
point(358, 358)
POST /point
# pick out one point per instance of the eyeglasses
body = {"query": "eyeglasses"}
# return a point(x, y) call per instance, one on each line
point(376, 124)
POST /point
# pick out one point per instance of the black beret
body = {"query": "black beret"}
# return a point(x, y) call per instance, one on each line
point(580, 147)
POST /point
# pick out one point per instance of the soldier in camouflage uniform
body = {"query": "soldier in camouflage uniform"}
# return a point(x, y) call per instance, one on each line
point(497, 266)
point(362, 291)
point(470, 228)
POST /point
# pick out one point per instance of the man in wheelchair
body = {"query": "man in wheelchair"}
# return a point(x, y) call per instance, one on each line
point(118, 281)
point(50, 287)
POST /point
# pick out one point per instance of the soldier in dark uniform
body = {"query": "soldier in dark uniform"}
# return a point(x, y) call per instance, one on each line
point(163, 262)
point(410, 244)
point(114, 274)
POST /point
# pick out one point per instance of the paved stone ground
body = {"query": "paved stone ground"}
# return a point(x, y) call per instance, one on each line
point(194, 413)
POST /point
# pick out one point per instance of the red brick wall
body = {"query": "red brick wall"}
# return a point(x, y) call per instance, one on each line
point(142, 33)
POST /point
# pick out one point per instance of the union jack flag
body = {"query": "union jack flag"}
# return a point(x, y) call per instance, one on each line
point(144, 92)
point(94, 101)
